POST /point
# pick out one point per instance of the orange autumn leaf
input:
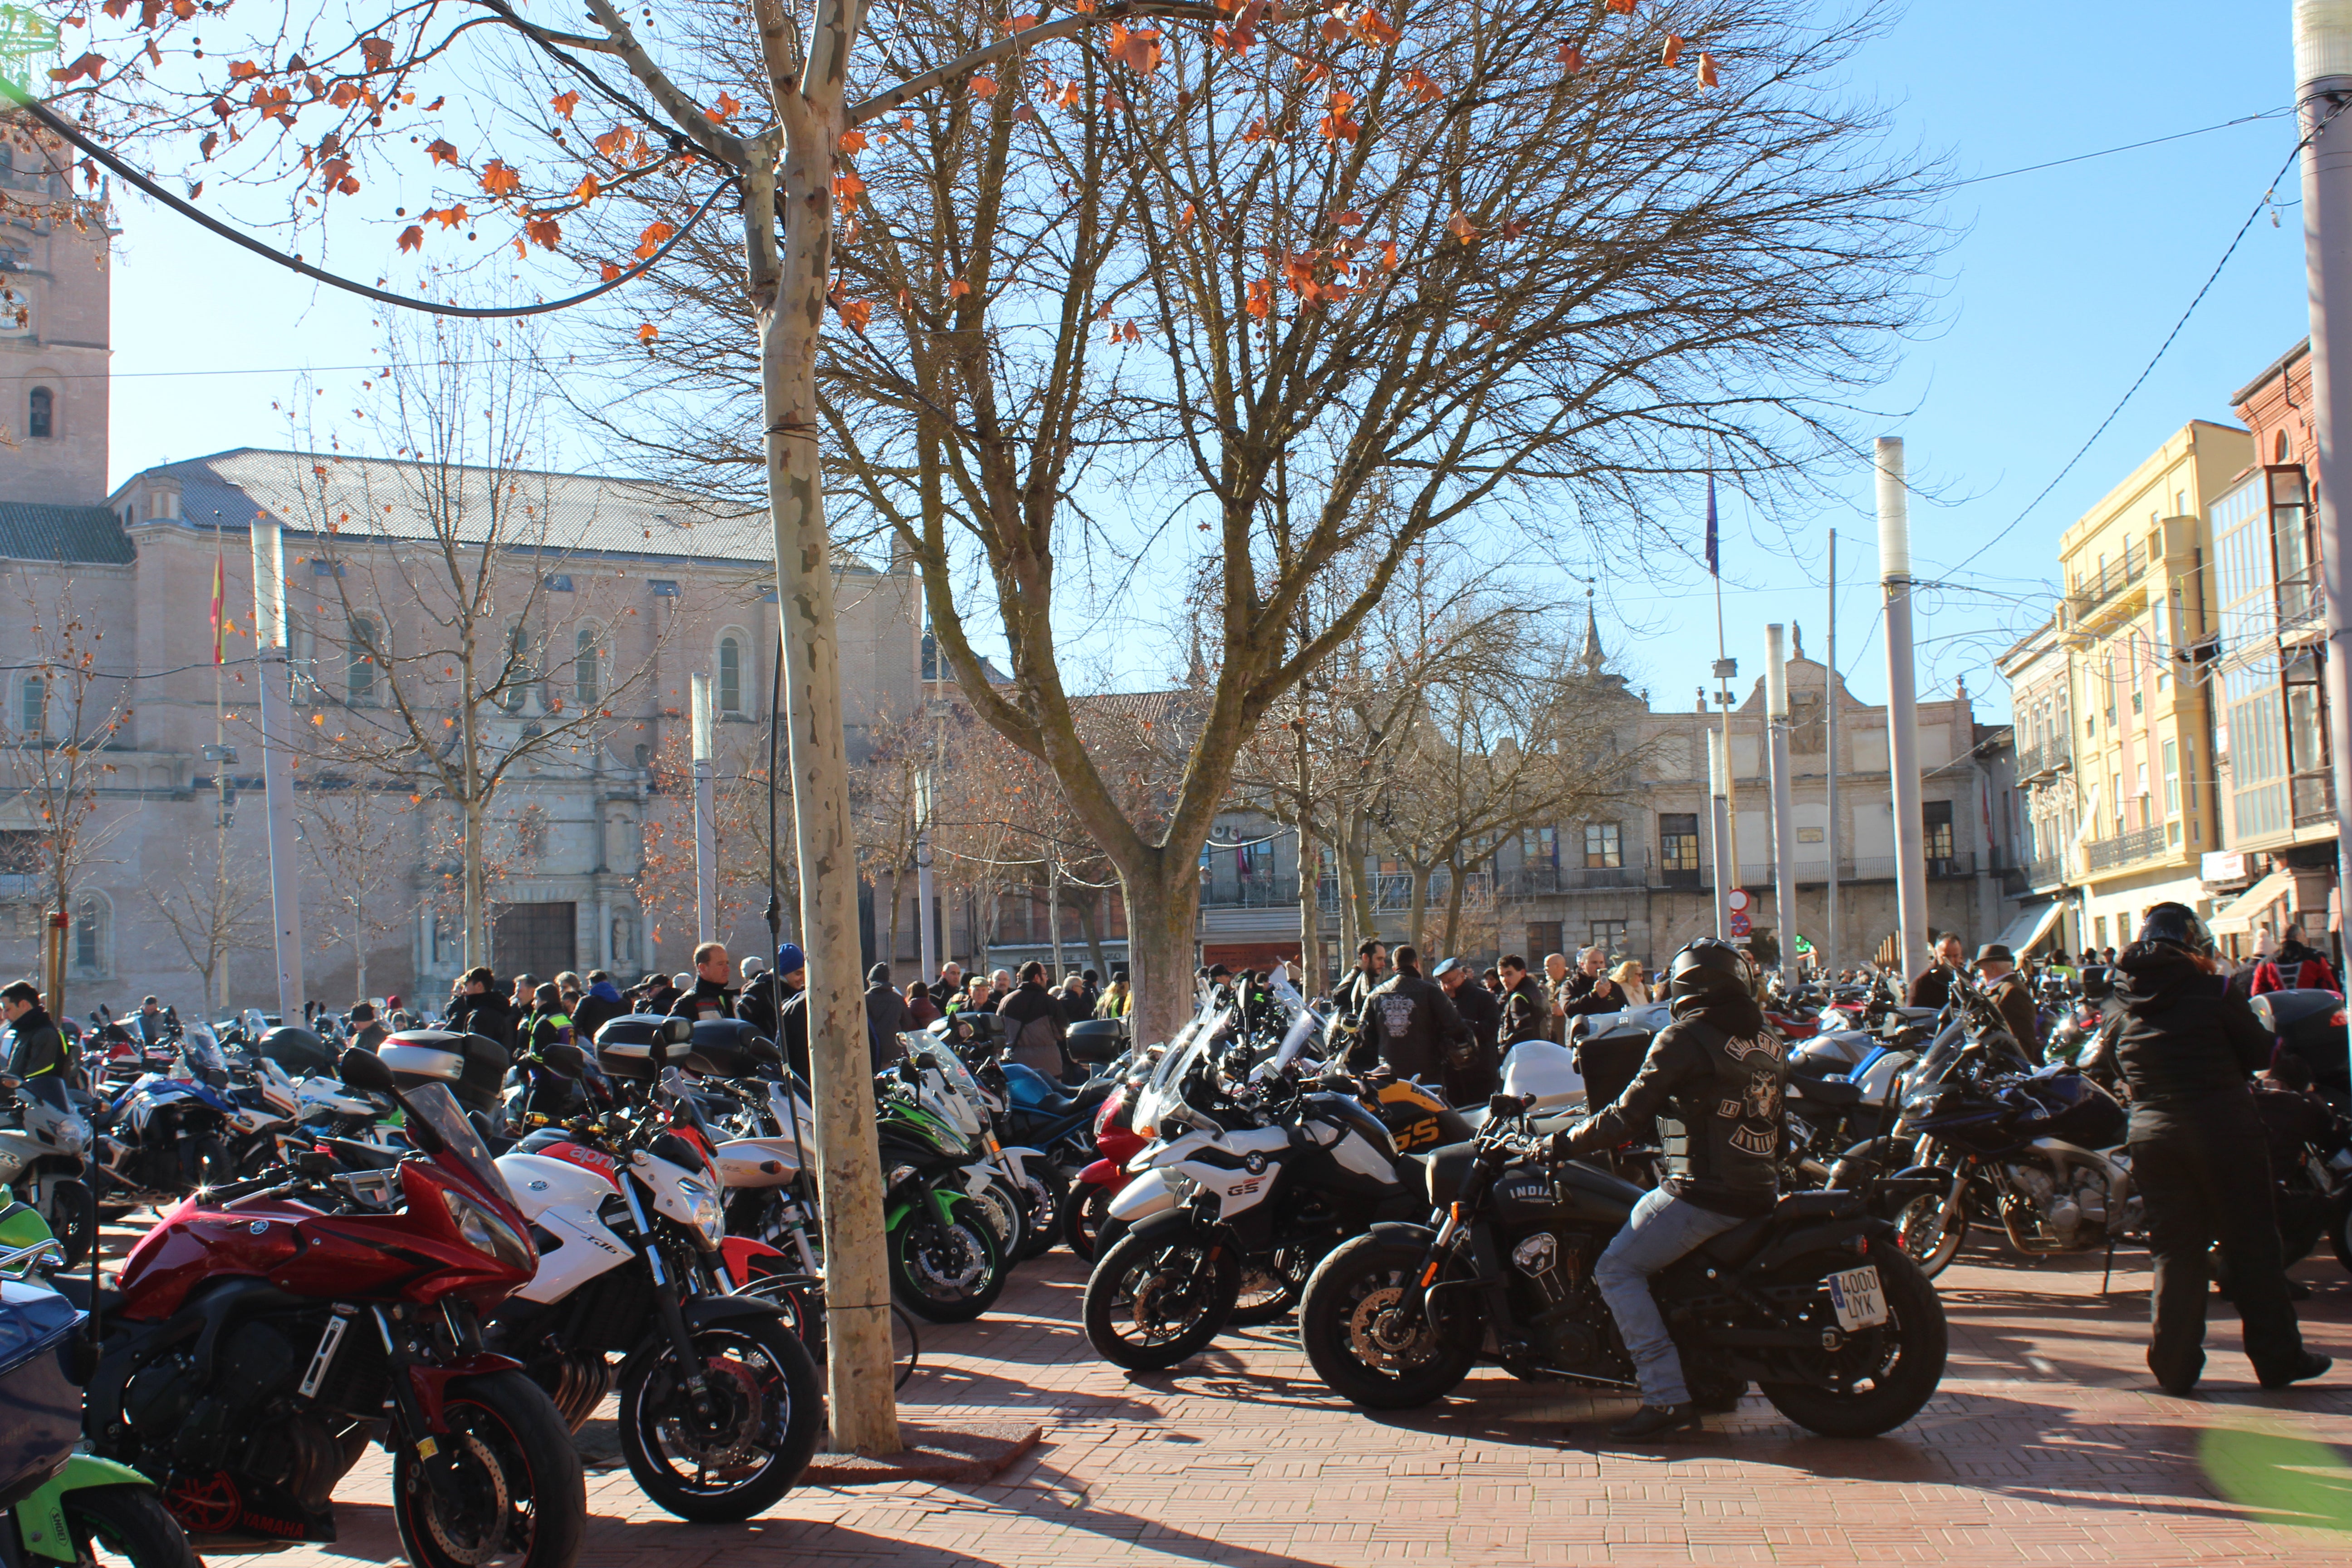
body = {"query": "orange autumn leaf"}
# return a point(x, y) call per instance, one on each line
point(442, 152)
point(1184, 221)
point(566, 102)
point(1374, 29)
point(1416, 81)
point(377, 52)
point(647, 332)
point(1021, 23)
point(1389, 256)
point(412, 238)
point(958, 289)
point(982, 86)
point(544, 232)
point(1706, 72)
point(847, 185)
point(1336, 125)
point(1072, 97)
point(1350, 218)
point(586, 189)
point(651, 239)
point(1623, 7)
point(1571, 57)
point(1460, 227)
point(448, 218)
point(855, 313)
point(243, 70)
point(500, 180)
point(608, 270)
point(1139, 51)
point(853, 142)
point(1673, 52)
point(725, 110)
point(1260, 301)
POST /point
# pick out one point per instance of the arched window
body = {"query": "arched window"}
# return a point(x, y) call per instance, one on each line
point(588, 668)
point(41, 417)
point(361, 667)
point(33, 705)
point(520, 670)
point(730, 674)
point(2281, 448)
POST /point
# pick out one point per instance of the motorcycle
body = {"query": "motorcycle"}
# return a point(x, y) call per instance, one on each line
point(266, 1330)
point(44, 1157)
point(58, 1505)
point(1813, 1302)
point(161, 1139)
point(1271, 1172)
point(720, 1406)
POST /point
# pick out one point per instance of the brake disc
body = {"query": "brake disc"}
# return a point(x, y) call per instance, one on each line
point(729, 1447)
point(1377, 1335)
point(479, 1466)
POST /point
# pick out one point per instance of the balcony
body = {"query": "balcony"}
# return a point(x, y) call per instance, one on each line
point(1252, 893)
point(2123, 849)
point(2047, 872)
point(2315, 799)
point(2042, 761)
point(1392, 892)
point(1537, 881)
point(2114, 589)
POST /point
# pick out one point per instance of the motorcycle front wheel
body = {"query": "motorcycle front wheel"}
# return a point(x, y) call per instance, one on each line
point(949, 1272)
point(1045, 1194)
point(765, 1414)
point(1152, 1304)
point(1082, 1214)
point(125, 1525)
point(1876, 1378)
point(1929, 1237)
point(1271, 1286)
point(68, 1218)
point(1352, 1325)
point(513, 1496)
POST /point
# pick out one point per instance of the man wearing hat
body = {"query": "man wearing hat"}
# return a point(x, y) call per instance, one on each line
point(1997, 971)
point(1471, 1075)
point(792, 1009)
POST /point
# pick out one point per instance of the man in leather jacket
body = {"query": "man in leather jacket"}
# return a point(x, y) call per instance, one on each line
point(1409, 1022)
point(41, 1050)
point(1997, 967)
point(1472, 1076)
point(1347, 996)
point(2198, 1154)
point(1526, 1010)
point(1719, 1069)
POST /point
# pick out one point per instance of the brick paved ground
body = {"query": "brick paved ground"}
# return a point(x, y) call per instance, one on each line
point(2047, 1444)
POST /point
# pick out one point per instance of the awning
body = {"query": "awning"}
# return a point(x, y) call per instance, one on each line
point(2032, 924)
point(2250, 906)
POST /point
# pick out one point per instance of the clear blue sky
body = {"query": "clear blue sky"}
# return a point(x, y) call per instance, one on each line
point(2064, 284)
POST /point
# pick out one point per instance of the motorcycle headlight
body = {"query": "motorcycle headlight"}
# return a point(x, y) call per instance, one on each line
point(67, 1138)
point(703, 1212)
point(488, 1235)
point(900, 1176)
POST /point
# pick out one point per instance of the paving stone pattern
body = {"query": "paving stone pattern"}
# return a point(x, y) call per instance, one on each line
point(2046, 1445)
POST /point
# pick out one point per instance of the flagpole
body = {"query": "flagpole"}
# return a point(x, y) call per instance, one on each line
point(220, 749)
point(1726, 667)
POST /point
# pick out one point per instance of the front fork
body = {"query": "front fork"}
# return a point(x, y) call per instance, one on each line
point(668, 1299)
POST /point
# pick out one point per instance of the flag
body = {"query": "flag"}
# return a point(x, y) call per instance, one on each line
point(220, 605)
point(1714, 565)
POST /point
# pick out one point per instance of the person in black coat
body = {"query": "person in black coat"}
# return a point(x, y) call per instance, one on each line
point(1472, 1080)
point(886, 1017)
point(2198, 1154)
point(1371, 962)
point(1035, 1025)
point(481, 1010)
point(1409, 1022)
point(710, 997)
point(599, 1004)
point(1527, 1008)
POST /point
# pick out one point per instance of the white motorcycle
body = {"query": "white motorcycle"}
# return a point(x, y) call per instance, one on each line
point(44, 1157)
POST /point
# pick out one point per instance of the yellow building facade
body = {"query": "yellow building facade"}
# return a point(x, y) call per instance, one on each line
point(2137, 617)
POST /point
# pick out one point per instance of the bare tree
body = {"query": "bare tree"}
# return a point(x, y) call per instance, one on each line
point(353, 834)
point(463, 636)
point(215, 906)
point(65, 713)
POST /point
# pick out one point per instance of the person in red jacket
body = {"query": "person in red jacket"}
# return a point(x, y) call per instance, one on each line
point(2295, 966)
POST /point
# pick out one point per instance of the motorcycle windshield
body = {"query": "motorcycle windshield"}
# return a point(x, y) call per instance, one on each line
point(950, 1066)
point(437, 1108)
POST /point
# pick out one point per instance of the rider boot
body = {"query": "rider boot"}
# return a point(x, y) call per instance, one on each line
point(1656, 1421)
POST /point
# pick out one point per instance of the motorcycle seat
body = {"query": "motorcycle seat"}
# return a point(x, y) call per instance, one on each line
point(1830, 1091)
point(361, 1156)
point(1745, 1240)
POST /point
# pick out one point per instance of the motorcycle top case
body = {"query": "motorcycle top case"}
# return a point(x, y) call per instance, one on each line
point(625, 1045)
point(1095, 1041)
point(2074, 1110)
point(732, 1047)
point(473, 1066)
point(41, 1407)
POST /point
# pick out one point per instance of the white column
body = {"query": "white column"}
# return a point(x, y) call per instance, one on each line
point(1902, 708)
point(706, 828)
point(1784, 811)
point(275, 676)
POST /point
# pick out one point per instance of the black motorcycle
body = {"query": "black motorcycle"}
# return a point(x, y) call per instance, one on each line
point(1813, 1302)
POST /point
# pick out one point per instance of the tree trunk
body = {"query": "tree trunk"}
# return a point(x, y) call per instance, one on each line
point(889, 954)
point(791, 318)
point(1162, 911)
point(1090, 921)
point(1364, 896)
point(1453, 909)
point(1311, 978)
point(477, 917)
point(1420, 875)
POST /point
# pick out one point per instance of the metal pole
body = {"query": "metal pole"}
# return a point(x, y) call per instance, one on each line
point(705, 823)
point(1828, 954)
point(1718, 771)
point(277, 768)
point(1902, 709)
point(1784, 810)
point(927, 942)
point(1054, 909)
point(2323, 86)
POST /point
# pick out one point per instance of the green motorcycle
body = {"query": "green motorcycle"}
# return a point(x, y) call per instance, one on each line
point(946, 1263)
point(64, 1507)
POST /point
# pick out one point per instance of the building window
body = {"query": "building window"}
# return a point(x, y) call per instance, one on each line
point(730, 675)
point(588, 669)
point(2171, 779)
point(89, 935)
point(1608, 936)
point(519, 672)
point(40, 414)
point(360, 668)
point(1600, 845)
point(1539, 847)
point(33, 705)
point(1544, 938)
point(1937, 817)
point(1678, 841)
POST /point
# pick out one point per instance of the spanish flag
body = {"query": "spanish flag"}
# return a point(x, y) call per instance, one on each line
point(220, 606)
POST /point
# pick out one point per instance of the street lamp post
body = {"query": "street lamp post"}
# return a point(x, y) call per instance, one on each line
point(706, 827)
point(1784, 813)
point(276, 676)
point(1902, 708)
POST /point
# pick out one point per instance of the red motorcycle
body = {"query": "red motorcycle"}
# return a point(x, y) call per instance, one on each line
point(266, 1331)
point(1116, 1141)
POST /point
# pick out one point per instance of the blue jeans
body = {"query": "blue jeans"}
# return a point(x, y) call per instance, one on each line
point(1663, 1228)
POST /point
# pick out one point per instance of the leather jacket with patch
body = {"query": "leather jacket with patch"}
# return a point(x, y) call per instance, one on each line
point(1410, 1021)
point(1725, 1088)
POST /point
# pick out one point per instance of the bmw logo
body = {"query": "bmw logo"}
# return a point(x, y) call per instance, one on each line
point(1254, 1164)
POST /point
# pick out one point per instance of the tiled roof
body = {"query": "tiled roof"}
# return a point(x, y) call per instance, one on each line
point(388, 499)
point(79, 533)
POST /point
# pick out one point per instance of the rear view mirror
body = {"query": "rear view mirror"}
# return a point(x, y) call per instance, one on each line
point(364, 1071)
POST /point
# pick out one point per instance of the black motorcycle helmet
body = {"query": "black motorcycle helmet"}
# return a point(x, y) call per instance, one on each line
point(2177, 925)
point(1711, 972)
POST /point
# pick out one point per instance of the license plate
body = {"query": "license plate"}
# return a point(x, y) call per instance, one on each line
point(1857, 1300)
